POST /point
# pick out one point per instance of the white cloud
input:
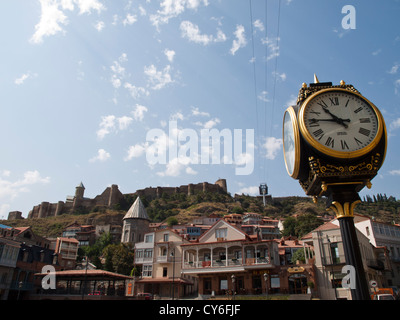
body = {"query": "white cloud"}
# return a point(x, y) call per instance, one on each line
point(102, 155)
point(135, 151)
point(84, 6)
point(279, 76)
point(176, 116)
point(396, 86)
point(124, 122)
point(189, 170)
point(111, 123)
point(24, 77)
point(136, 92)
point(263, 96)
point(10, 190)
point(394, 172)
point(129, 20)
point(173, 8)
point(158, 79)
point(258, 25)
point(53, 18)
point(99, 25)
point(254, 190)
point(272, 145)
point(176, 166)
point(139, 111)
point(50, 21)
point(273, 47)
point(240, 40)
point(196, 112)
point(395, 124)
point(170, 54)
point(394, 69)
point(192, 33)
point(208, 124)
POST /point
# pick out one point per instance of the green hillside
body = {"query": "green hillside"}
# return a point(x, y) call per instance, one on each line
point(181, 208)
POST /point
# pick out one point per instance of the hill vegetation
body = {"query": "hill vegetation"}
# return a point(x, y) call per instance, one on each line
point(182, 208)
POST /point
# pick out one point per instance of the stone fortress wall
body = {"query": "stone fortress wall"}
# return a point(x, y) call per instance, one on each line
point(111, 196)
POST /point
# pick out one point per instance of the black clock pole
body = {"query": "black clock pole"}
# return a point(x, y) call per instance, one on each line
point(342, 201)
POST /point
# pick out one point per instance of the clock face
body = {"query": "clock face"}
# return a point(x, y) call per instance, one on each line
point(291, 146)
point(340, 123)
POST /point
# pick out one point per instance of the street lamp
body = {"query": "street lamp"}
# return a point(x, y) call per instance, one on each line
point(266, 284)
point(173, 273)
point(233, 278)
point(84, 284)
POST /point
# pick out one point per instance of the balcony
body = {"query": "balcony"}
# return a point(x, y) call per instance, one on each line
point(142, 260)
point(166, 259)
point(231, 262)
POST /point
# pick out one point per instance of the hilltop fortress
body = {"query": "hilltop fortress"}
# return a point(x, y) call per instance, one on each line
point(111, 196)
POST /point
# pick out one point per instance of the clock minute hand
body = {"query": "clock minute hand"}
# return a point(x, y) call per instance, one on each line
point(334, 120)
point(337, 119)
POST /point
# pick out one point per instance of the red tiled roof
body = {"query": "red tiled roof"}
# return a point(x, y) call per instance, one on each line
point(88, 273)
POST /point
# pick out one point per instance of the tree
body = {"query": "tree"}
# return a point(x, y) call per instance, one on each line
point(289, 226)
point(119, 258)
point(306, 223)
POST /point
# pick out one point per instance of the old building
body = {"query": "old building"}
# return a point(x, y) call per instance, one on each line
point(330, 260)
point(77, 203)
point(225, 253)
point(135, 223)
point(9, 250)
point(159, 258)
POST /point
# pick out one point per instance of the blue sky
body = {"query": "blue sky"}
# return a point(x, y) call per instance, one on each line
point(83, 83)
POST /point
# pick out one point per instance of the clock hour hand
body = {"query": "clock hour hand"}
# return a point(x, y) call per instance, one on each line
point(337, 119)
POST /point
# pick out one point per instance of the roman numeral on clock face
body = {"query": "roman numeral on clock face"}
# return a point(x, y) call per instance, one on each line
point(334, 101)
point(358, 110)
point(322, 104)
point(365, 120)
point(313, 123)
point(358, 142)
point(330, 142)
point(318, 134)
point(344, 145)
point(364, 131)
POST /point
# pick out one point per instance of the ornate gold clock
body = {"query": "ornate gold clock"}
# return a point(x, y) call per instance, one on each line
point(340, 123)
point(334, 144)
point(333, 136)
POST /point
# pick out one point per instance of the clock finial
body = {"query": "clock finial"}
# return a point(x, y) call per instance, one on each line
point(315, 79)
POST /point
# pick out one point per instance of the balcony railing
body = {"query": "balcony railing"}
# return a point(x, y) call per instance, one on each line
point(216, 263)
point(143, 260)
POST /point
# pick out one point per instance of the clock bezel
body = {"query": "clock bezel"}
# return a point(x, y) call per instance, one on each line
point(335, 153)
point(296, 136)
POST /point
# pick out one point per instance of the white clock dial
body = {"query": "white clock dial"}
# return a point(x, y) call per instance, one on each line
point(340, 123)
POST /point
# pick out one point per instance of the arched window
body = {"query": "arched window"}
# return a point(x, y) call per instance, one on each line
point(126, 236)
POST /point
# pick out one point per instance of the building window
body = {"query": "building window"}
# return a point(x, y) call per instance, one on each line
point(148, 253)
point(165, 272)
point(367, 231)
point(335, 253)
point(147, 270)
point(221, 233)
point(166, 237)
point(148, 238)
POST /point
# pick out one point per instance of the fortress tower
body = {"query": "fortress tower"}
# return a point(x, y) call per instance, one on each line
point(79, 191)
